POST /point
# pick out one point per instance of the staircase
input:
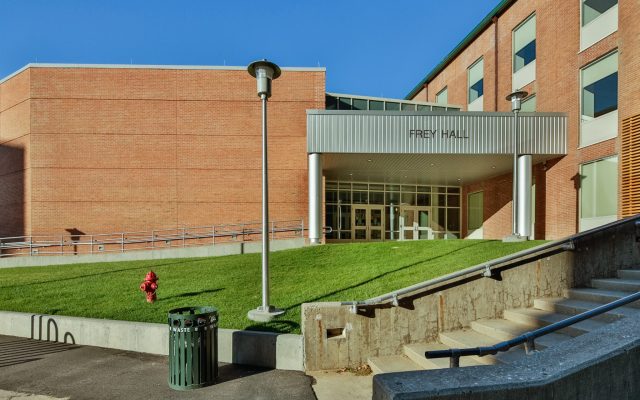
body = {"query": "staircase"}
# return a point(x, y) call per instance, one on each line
point(487, 332)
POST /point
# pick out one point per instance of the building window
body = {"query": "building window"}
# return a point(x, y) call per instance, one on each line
point(599, 83)
point(529, 104)
point(592, 9)
point(474, 211)
point(600, 87)
point(524, 44)
point(408, 107)
point(344, 103)
point(476, 85)
point(599, 20)
point(524, 53)
point(389, 106)
point(598, 193)
point(442, 97)
point(360, 104)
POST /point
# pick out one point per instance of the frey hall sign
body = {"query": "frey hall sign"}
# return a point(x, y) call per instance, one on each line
point(434, 133)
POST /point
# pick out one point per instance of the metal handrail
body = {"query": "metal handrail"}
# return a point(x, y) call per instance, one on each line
point(486, 268)
point(528, 338)
point(40, 244)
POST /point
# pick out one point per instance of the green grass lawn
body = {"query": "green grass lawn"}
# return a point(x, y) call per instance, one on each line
point(337, 272)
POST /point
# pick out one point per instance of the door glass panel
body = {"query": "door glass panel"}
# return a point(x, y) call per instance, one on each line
point(376, 234)
point(376, 217)
point(360, 217)
point(361, 234)
point(423, 218)
point(423, 235)
point(345, 217)
point(408, 217)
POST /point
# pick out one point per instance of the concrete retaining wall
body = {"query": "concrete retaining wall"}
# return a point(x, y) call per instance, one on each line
point(222, 249)
point(336, 338)
point(601, 365)
point(263, 349)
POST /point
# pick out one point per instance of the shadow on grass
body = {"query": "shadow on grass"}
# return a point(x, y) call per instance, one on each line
point(95, 274)
point(190, 294)
point(335, 292)
point(276, 326)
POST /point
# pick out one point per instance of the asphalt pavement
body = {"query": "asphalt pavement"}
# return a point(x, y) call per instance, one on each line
point(37, 370)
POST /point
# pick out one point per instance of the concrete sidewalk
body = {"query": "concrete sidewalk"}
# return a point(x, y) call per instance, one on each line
point(78, 372)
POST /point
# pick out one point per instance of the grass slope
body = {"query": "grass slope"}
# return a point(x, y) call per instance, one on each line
point(232, 284)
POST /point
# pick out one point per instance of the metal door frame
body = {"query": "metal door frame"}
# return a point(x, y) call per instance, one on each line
point(368, 227)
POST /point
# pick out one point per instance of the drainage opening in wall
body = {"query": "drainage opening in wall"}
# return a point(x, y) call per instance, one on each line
point(335, 333)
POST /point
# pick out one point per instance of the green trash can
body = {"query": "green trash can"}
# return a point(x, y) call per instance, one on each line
point(193, 347)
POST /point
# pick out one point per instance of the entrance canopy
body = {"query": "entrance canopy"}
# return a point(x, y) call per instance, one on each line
point(444, 148)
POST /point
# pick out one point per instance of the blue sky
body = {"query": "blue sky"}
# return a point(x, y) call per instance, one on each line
point(376, 48)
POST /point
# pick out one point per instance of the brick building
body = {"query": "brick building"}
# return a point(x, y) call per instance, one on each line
point(119, 148)
point(578, 57)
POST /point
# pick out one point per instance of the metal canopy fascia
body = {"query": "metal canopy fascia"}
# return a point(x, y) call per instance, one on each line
point(376, 146)
point(406, 132)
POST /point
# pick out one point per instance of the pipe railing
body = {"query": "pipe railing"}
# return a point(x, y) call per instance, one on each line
point(486, 269)
point(528, 338)
point(145, 240)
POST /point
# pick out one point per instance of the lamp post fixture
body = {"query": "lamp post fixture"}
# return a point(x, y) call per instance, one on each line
point(516, 104)
point(264, 72)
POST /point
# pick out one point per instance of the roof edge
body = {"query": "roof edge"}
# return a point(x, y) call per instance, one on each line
point(152, 66)
point(503, 5)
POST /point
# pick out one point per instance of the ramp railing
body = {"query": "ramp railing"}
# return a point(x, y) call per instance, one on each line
point(120, 242)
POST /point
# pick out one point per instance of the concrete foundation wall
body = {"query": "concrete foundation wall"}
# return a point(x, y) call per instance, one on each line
point(262, 349)
point(224, 249)
point(336, 338)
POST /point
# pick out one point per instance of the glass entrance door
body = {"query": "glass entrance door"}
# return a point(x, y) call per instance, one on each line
point(415, 223)
point(368, 222)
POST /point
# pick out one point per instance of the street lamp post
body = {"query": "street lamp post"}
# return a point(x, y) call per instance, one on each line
point(264, 72)
point(516, 104)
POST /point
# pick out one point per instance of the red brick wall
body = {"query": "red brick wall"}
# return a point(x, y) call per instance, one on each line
point(117, 149)
point(557, 88)
point(14, 155)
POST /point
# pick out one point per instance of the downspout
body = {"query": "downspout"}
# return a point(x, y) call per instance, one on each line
point(495, 60)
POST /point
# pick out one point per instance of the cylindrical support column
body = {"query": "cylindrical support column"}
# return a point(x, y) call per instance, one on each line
point(315, 198)
point(514, 202)
point(524, 195)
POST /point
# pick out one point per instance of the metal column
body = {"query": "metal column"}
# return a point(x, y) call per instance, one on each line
point(315, 198)
point(524, 195)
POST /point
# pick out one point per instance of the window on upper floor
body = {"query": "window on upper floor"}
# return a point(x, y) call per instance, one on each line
point(442, 97)
point(524, 44)
point(599, 97)
point(592, 9)
point(599, 20)
point(475, 79)
point(524, 53)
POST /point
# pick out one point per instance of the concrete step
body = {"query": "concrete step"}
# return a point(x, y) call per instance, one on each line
point(469, 338)
point(501, 329)
point(415, 352)
point(632, 274)
point(385, 364)
point(623, 285)
point(573, 307)
point(540, 318)
point(598, 295)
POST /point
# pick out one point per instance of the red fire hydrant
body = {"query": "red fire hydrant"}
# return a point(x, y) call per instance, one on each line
point(149, 286)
